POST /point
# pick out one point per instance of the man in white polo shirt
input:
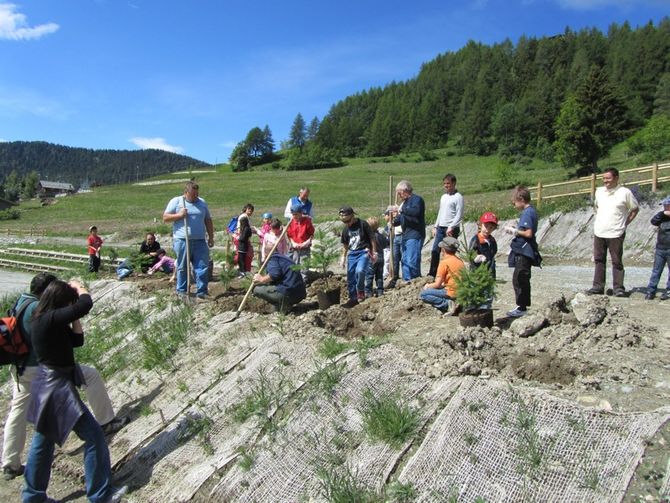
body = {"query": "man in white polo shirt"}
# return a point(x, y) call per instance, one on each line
point(615, 208)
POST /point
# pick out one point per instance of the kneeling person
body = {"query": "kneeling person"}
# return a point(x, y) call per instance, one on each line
point(282, 286)
point(441, 293)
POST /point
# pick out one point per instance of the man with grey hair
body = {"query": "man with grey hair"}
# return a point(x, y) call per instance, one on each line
point(411, 217)
point(302, 202)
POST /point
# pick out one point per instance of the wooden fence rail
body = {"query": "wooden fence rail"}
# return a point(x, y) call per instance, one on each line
point(656, 173)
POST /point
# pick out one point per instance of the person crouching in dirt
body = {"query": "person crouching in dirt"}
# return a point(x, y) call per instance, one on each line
point(359, 249)
point(149, 249)
point(376, 269)
point(56, 409)
point(300, 233)
point(441, 293)
point(484, 244)
point(164, 263)
point(524, 252)
point(282, 286)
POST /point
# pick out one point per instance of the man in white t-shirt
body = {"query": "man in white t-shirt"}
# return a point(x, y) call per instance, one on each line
point(615, 208)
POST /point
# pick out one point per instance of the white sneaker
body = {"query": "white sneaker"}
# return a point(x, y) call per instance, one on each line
point(117, 494)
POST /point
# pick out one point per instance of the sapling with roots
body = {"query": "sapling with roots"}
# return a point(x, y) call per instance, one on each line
point(475, 286)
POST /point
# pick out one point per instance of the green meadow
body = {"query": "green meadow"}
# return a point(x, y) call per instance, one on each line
point(363, 184)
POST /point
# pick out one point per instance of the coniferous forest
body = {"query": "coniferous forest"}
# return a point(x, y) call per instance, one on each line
point(541, 97)
point(82, 166)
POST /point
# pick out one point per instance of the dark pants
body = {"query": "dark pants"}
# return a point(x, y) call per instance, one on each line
point(397, 255)
point(661, 259)
point(279, 300)
point(600, 248)
point(440, 234)
point(521, 280)
point(93, 263)
point(375, 272)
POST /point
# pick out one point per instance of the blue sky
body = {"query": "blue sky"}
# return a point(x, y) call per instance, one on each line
point(193, 77)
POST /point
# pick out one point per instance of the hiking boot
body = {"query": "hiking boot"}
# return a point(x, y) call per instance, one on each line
point(9, 473)
point(350, 303)
point(650, 295)
point(620, 293)
point(360, 297)
point(517, 313)
point(117, 494)
point(115, 425)
point(391, 284)
point(595, 291)
point(666, 295)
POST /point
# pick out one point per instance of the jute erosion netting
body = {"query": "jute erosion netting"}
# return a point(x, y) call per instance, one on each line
point(323, 439)
point(504, 443)
point(208, 433)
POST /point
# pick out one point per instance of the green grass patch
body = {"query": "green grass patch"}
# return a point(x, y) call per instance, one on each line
point(389, 419)
point(330, 347)
point(160, 341)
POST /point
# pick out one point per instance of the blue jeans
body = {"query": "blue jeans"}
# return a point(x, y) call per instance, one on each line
point(411, 258)
point(436, 297)
point(97, 467)
point(661, 259)
point(199, 259)
point(358, 262)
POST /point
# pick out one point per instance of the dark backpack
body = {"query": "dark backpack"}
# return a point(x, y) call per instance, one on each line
point(232, 225)
point(14, 347)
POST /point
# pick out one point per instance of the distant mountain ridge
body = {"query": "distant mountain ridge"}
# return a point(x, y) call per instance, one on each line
point(83, 166)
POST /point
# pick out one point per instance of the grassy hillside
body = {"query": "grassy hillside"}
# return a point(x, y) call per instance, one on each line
point(363, 184)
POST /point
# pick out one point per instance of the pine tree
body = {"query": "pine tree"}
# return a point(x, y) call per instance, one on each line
point(297, 134)
point(312, 130)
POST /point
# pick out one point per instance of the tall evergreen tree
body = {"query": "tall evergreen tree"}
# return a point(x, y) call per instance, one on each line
point(662, 96)
point(297, 134)
point(312, 129)
point(590, 122)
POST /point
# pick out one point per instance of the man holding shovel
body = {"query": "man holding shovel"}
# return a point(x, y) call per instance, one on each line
point(193, 233)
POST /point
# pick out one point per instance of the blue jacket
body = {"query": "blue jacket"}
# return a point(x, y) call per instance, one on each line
point(412, 218)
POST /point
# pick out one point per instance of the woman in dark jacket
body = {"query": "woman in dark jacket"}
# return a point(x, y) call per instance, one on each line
point(56, 408)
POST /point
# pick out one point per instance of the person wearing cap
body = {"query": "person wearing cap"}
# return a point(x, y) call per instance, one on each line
point(359, 249)
point(411, 216)
point(662, 251)
point(615, 208)
point(484, 244)
point(441, 293)
point(265, 226)
point(193, 208)
point(301, 201)
point(94, 243)
point(300, 233)
point(449, 219)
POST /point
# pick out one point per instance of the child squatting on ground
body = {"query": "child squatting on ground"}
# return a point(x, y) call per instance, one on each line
point(441, 293)
point(662, 252)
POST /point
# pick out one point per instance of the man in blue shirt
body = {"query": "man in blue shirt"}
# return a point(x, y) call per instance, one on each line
point(190, 213)
point(282, 286)
point(412, 218)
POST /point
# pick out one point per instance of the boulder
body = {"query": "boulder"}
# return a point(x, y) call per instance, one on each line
point(589, 310)
point(527, 325)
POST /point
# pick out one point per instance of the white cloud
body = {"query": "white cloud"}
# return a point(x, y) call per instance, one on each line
point(17, 102)
point(157, 143)
point(14, 25)
point(229, 144)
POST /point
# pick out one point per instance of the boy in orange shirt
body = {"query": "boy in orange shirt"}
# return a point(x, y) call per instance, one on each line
point(441, 293)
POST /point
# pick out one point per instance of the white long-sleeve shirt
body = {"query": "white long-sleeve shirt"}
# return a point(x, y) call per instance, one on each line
point(450, 214)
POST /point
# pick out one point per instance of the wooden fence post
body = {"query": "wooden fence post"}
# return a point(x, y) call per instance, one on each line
point(593, 187)
point(539, 194)
point(654, 177)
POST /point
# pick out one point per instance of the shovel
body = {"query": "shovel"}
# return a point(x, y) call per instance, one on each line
point(188, 254)
point(236, 314)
